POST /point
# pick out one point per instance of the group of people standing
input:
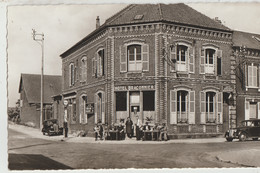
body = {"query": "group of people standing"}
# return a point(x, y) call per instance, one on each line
point(129, 129)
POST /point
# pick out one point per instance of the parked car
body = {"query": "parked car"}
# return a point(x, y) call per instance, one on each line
point(247, 129)
point(51, 127)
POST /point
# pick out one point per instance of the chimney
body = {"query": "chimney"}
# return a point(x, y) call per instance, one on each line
point(97, 22)
point(217, 20)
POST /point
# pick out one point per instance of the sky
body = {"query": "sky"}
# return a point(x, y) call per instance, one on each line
point(65, 25)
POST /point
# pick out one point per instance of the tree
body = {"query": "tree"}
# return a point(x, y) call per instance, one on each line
point(14, 112)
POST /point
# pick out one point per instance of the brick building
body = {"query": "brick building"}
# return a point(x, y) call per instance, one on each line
point(30, 98)
point(166, 63)
point(247, 54)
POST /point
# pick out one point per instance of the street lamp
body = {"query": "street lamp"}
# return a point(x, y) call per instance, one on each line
point(39, 38)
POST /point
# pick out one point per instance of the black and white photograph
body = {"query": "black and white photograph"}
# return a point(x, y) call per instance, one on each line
point(152, 85)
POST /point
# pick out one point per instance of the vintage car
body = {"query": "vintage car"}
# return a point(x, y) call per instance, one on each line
point(247, 129)
point(51, 127)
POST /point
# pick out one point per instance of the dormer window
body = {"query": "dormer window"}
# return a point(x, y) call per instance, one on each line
point(138, 17)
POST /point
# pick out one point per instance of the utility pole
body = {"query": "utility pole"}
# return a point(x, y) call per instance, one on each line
point(39, 38)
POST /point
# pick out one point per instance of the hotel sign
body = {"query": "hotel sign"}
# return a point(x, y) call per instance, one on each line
point(134, 87)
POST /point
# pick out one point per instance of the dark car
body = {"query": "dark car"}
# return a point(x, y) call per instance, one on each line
point(247, 129)
point(51, 127)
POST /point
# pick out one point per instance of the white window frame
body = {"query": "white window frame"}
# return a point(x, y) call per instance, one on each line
point(210, 68)
point(182, 65)
point(180, 113)
point(135, 62)
point(253, 77)
point(207, 108)
point(71, 74)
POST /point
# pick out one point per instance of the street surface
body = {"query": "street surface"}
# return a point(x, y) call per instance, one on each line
point(27, 152)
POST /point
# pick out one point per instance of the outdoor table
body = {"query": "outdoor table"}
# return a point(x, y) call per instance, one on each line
point(156, 133)
point(146, 132)
point(113, 133)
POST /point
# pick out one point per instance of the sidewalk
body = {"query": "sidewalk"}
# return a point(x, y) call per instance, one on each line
point(36, 133)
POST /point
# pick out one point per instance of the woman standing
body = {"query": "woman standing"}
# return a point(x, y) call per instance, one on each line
point(129, 124)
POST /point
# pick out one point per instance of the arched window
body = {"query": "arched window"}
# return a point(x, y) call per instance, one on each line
point(210, 61)
point(100, 107)
point(134, 58)
point(182, 104)
point(182, 57)
point(83, 114)
point(84, 68)
point(210, 107)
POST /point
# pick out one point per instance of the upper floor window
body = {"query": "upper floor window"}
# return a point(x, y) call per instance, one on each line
point(134, 58)
point(84, 69)
point(98, 64)
point(252, 76)
point(210, 61)
point(182, 58)
point(71, 74)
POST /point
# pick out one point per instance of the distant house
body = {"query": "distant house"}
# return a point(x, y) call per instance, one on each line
point(246, 48)
point(30, 97)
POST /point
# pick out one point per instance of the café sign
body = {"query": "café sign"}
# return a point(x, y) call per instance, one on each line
point(134, 87)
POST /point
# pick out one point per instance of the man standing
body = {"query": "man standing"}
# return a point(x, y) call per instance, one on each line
point(65, 124)
point(138, 126)
point(129, 124)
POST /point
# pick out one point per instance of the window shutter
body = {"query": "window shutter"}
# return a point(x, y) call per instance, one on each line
point(123, 59)
point(103, 108)
point(219, 63)
point(73, 74)
point(202, 61)
point(246, 110)
point(187, 59)
point(259, 76)
point(70, 75)
point(254, 78)
point(145, 55)
point(202, 108)
point(192, 108)
point(80, 71)
point(95, 107)
point(219, 108)
point(250, 76)
point(173, 116)
point(258, 105)
point(191, 59)
point(246, 77)
point(95, 66)
point(81, 111)
point(98, 64)
point(173, 58)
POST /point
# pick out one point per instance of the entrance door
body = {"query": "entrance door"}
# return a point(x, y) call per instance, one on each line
point(135, 107)
point(252, 110)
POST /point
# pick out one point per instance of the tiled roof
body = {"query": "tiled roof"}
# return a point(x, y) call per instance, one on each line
point(31, 83)
point(177, 13)
point(249, 40)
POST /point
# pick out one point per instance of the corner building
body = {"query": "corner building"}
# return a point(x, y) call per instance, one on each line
point(158, 62)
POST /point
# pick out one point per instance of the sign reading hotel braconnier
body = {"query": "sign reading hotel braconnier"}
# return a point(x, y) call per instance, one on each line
point(134, 87)
point(90, 108)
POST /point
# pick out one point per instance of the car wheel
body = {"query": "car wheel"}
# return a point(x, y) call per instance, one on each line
point(242, 137)
point(229, 139)
point(255, 139)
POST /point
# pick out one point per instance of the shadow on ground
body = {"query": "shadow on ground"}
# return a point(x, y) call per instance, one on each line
point(33, 162)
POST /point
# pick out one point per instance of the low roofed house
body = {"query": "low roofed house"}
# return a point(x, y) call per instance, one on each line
point(30, 97)
point(246, 48)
